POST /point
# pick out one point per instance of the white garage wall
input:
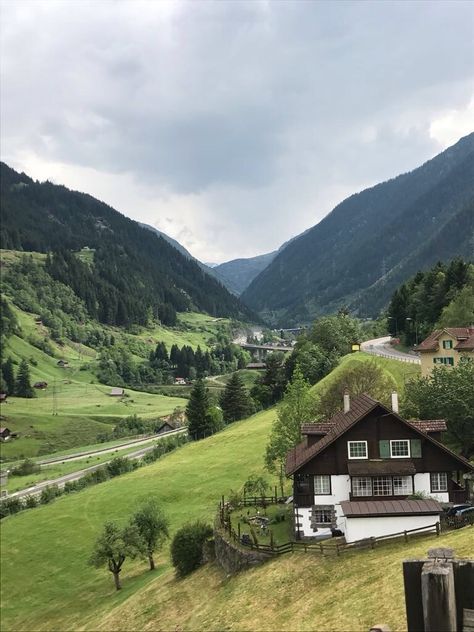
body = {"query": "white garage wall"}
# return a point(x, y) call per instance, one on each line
point(422, 484)
point(360, 528)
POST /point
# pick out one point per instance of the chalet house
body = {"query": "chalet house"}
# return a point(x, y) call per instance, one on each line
point(180, 380)
point(446, 347)
point(168, 425)
point(63, 363)
point(5, 434)
point(358, 471)
point(116, 392)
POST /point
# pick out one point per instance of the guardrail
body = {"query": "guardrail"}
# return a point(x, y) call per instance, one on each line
point(389, 356)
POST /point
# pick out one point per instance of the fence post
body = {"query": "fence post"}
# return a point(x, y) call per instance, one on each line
point(406, 536)
point(276, 497)
point(238, 529)
point(372, 542)
point(321, 548)
point(437, 529)
point(438, 597)
point(412, 585)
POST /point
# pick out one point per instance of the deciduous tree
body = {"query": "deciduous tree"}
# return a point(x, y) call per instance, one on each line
point(113, 546)
point(152, 526)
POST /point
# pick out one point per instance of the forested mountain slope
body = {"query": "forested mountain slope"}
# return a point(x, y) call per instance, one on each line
point(239, 273)
point(373, 241)
point(133, 274)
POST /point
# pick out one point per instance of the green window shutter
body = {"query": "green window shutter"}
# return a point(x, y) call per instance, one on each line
point(415, 448)
point(384, 448)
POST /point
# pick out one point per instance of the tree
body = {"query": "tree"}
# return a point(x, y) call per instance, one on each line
point(361, 377)
point(186, 547)
point(460, 311)
point(269, 388)
point(113, 546)
point(298, 407)
point(23, 385)
point(197, 411)
point(152, 526)
point(235, 401)
point(255, 486)
point(8, 374)
point(447, 393)
point(335, 333)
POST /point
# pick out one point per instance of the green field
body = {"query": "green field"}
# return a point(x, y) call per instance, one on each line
point(60, 591)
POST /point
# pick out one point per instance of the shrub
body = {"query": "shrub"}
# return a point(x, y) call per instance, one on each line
point(31, 502)
point(49, 494)
point(26, 468)
point(10, 506)
point(119, 465)
point(186, 547)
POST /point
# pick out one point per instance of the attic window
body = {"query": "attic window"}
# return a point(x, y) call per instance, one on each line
point(400, 448)
point(447, 344)
point(357, 449)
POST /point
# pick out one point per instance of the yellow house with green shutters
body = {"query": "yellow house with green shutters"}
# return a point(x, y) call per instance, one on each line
point(446, 347)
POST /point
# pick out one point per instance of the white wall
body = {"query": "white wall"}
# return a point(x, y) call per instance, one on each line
point(340, 488)
point(360, 528)
point(422, 484)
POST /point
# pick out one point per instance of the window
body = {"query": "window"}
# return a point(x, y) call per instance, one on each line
point(382, 485)
point(402, 485)
point(446, 361)
point(362, 486)
point(322, 485)
point(447, 344)
point(439, 482)
point(400, 448)
point(322, 515)
point(302, 484)
point(357, 449)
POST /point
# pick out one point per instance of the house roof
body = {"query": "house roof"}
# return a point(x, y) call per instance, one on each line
point(364, 509)
point(429, 425)
point(2, 430)
point(341, 422)
point(425, 425)
point(375, 468)
point(116, 390)
point(464, 336)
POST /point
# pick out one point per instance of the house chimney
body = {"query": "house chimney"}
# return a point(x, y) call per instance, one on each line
point(395, 401)
point(347, 401)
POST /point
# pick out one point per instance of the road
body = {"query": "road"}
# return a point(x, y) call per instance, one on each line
point(382, 347)
point(74, 476)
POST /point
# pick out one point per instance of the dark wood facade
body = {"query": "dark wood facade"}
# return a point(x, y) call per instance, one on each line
point(378, 425)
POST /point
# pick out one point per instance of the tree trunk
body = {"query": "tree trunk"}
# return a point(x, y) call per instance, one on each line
point(152, 562)
point(117, 580)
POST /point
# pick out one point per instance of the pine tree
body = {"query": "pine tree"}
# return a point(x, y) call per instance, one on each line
point(9, 376)
point(235, 400)
point(23, 385)
point(197, 411)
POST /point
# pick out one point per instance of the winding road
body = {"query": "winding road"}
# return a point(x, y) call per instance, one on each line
point(382, 347)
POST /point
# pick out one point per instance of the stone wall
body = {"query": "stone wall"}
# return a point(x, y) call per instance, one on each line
point(233, 558)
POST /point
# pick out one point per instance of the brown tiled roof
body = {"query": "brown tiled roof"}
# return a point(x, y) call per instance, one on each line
point(301, 454)
point(364, 509)
point(374, 468)
point(429, 425)
point(317, 428)
point(466, 345)
point(465, 335)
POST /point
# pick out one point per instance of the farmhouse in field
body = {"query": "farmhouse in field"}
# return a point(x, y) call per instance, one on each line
point(40, 385)
point(63, 363)
point(358, 471)
point(5, 434)
point(446, 347)
point(116, 392)
point(180, 380)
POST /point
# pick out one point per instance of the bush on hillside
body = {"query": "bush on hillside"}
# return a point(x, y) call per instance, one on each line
point(186, 547)
point(49, 494)
point(26, 468)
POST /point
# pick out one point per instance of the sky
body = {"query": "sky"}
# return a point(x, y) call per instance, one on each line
point(231, 126)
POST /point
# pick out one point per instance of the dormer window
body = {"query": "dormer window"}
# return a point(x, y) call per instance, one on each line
point(400, 449)
point(447, 344)
point(357, 449)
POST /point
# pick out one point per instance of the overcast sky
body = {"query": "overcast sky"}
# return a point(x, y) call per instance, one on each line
point(231, 126)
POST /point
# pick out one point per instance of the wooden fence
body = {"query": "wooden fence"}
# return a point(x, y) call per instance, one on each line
point(325, 547)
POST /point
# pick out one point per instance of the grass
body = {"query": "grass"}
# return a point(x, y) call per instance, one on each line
point(84, 407)
point(59, 589)
point(248, 376)
point(401, 372)
point(294, 592)
point(282, 531)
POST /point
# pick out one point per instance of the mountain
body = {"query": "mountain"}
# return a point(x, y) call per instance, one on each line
point(134, 273)
point(239, 273)
point(373, 241)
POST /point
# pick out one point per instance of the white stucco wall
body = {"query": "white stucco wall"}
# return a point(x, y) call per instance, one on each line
point(422, 484)
point(340, 488)
point(360, 528)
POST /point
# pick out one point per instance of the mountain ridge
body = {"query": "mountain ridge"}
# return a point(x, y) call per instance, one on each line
point(336, 262)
